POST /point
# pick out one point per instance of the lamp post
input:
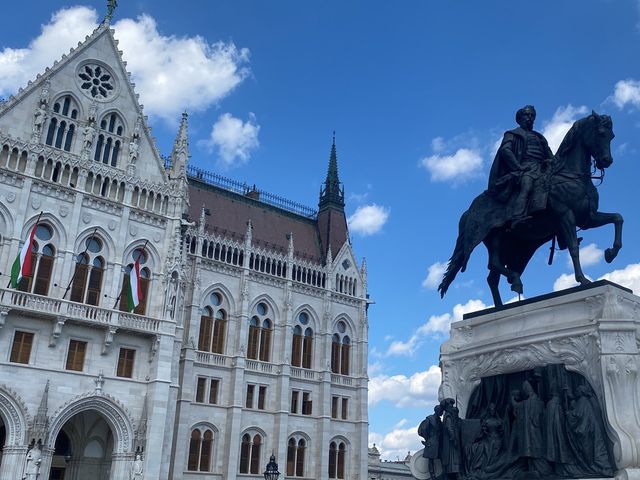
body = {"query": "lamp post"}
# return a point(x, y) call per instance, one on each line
point(271, 473)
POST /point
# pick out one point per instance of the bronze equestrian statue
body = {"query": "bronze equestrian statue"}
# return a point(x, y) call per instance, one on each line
point(533, 198)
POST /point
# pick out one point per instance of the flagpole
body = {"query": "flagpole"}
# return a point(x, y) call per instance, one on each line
point(75, 270)
point(134, 263)
point(34, 226)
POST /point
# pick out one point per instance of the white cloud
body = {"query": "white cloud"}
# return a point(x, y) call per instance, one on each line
point(589, 255)
point(564, 281)
point(555, 129)
point(395, 444)
point(434, 276)
point(18, 66)
point(442, 323)
point(171, 73)
point(463, 165)
point(627, 92)
point(436, 324)
point(419, 390)
point(233, 139)
point(627, 277)
point(368, 219)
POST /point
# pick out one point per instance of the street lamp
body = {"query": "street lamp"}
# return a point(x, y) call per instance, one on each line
point(271, 473)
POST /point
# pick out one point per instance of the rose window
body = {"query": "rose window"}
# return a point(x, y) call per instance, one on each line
point(96, 81)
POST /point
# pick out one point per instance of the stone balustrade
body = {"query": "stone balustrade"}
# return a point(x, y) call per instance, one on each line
point(56, 308)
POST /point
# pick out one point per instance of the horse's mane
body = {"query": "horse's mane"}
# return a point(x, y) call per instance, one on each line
point(571, 137)
point(573, 133)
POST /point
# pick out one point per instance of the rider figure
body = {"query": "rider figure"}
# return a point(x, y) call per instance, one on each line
point(521, 160)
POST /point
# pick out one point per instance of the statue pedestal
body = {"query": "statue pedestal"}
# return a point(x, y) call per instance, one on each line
point(593, 330)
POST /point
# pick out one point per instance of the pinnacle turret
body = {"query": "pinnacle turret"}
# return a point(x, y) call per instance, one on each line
point(332, 193)
point(180, 152)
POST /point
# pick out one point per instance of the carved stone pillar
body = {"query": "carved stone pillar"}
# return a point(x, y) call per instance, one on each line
point(13, 458)
point(592, 330)
point(121, 466)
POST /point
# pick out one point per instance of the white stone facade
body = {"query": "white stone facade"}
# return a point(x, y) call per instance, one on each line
point(108, 409)
point(592, 331)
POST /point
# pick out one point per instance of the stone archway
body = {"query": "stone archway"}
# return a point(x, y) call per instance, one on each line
point(13, 422)
point(100, 440)
point(83, 448)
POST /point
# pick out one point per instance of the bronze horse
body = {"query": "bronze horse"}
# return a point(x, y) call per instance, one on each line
point(572, 202)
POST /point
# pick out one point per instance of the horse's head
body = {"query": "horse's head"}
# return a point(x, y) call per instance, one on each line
point(591, 136)
point(598, 141)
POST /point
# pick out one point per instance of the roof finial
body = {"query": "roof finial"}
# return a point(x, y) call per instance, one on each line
point(111, 6)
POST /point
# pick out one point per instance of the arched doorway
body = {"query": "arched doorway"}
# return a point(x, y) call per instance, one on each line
point(3, 438)
point(83, 448)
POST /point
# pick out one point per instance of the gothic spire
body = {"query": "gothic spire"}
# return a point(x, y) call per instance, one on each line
point(180, 153)
point(332, 194)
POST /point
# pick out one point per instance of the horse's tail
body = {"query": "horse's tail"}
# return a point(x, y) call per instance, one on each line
point(459, 258)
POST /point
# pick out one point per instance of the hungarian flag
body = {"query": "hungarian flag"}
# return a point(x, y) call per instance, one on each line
point(134, 296)
point(22, 264)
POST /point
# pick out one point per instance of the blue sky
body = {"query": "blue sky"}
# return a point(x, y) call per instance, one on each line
point(418, 93)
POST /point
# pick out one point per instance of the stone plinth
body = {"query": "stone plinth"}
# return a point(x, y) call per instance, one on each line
point(592, 330)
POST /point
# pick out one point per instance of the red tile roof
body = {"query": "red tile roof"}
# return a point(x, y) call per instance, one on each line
point(231, 211)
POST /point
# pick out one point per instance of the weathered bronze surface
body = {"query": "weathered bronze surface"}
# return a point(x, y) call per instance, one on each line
point(534, 197)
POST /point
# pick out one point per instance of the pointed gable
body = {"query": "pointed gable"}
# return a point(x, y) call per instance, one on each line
point(85, 104)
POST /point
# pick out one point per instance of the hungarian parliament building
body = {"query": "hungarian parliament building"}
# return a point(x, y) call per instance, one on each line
point(250, 336)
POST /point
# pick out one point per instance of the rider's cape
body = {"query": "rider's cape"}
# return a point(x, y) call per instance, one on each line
point(503, 178)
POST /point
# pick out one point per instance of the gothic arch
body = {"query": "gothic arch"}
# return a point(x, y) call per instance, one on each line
point(113, 413)
point(14, 415)
point(101, 233)
point(123, 119)
point(314, 322)
point(226, 293)
point(155, 264)
point(52, 220)
point(300, 434)
point(351, 327)
point(63, 93)
point(6, 222)
point(272, 305)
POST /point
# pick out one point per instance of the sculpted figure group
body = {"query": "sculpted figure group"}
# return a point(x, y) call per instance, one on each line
point(524, 438)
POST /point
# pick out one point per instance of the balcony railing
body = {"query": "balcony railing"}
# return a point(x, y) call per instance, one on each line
point(341, 379)
point(259, 366)
point(302, 373)
point(56, 307)
point(211, 359)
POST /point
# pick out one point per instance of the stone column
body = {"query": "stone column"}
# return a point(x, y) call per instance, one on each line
point(13, 458)
point(121, 466)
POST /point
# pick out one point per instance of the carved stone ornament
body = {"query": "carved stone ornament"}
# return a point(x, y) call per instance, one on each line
point(590, 331)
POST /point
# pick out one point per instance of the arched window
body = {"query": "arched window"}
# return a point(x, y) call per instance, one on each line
point(145, 278)
point(340, 350)
point(295, 457)
point(302, 346)
point(42, 256)
point(213, 325)
point(62, 125)
point(260, 328)
point(337, 454)
point(87, 278)
point(250, 454)
point(200, 451)
point(110, 139)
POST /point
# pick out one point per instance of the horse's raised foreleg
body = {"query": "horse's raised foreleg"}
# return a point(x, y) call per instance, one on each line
point(600, 218)
point(568, 233)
